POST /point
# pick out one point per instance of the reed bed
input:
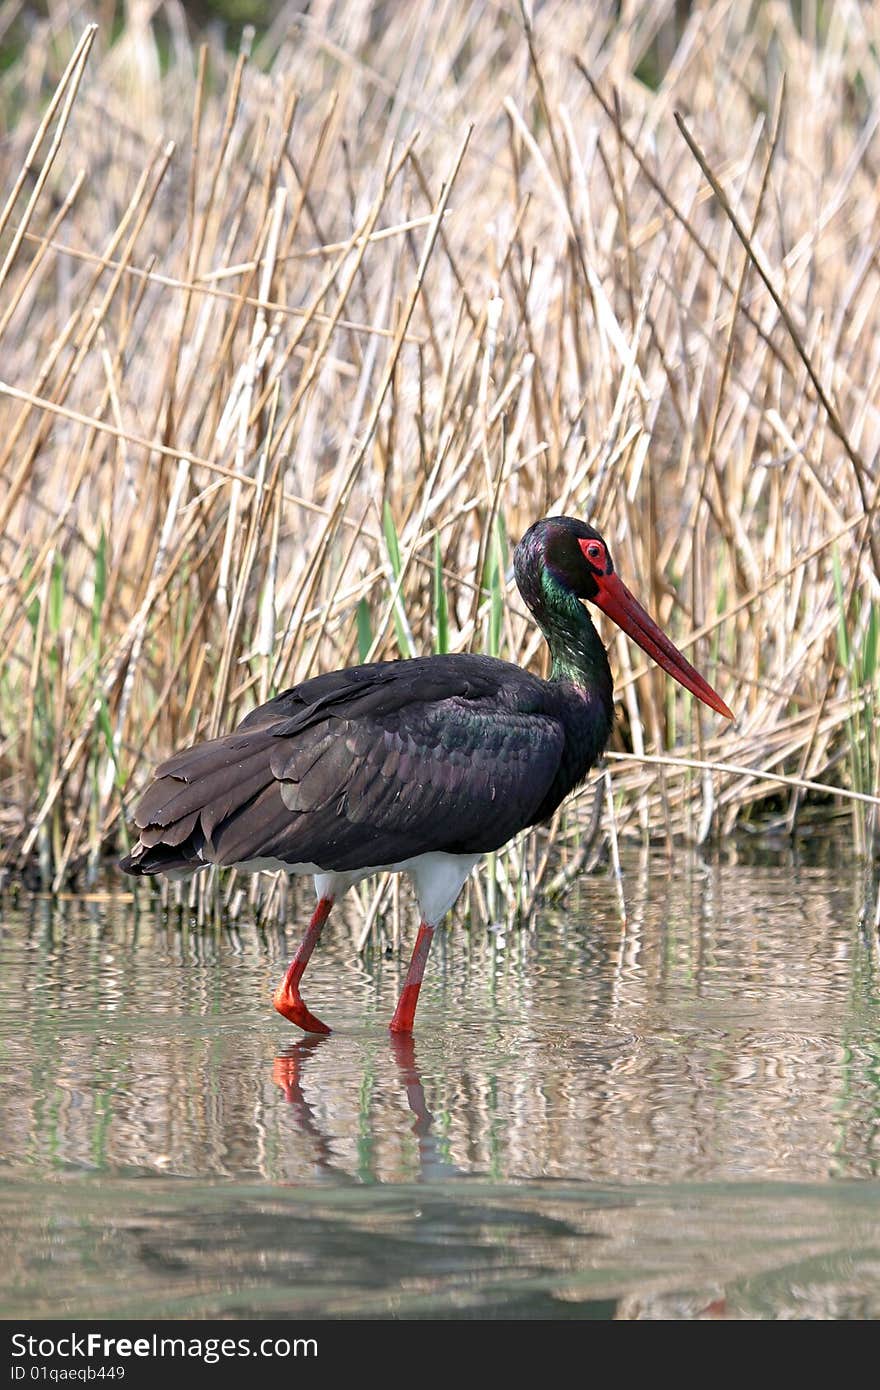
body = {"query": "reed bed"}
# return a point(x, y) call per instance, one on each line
point(298, 339)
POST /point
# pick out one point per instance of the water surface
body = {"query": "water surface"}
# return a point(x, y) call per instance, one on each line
point(675, 1117)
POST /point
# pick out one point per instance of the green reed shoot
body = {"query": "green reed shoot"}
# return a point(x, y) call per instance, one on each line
point(404, 641)
point(441, 606)
point(364, 623)
point(858, 659)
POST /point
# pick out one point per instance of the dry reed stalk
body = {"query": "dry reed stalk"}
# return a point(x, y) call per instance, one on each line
point(296, 297)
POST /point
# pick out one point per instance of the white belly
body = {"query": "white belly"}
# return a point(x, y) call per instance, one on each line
point(438, 878)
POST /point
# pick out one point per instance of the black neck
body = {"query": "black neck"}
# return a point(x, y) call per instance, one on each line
point(577, 654)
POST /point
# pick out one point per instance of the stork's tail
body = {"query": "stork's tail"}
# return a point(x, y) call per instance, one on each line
point(178, 861)
point(194, 795)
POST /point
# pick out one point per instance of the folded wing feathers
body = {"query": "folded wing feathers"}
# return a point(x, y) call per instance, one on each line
point(174, 834)
point(215, 772)
point(358, 775)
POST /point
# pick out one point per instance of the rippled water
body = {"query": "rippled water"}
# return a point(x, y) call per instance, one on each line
point(679, 1117)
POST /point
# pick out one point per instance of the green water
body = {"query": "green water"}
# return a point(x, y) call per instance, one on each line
point(675, 1118)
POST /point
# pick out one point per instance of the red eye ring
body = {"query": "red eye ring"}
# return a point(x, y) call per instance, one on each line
point(594, 551)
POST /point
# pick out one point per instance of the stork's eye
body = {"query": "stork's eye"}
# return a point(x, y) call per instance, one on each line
point(595, 552)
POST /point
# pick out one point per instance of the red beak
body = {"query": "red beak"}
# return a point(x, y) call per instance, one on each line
point(615, 599)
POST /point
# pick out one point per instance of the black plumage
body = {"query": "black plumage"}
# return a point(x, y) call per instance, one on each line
point(374, 765)
point(423, 764)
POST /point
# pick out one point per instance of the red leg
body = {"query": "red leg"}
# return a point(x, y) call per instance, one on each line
point(287, 998)
point(405, 1013)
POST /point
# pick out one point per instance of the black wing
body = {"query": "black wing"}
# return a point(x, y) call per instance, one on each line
point(361, 768)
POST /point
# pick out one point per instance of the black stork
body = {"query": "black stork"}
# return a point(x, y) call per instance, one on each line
point(419, 766)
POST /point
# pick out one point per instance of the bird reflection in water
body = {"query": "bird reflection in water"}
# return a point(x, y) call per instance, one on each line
point(288, 1072)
